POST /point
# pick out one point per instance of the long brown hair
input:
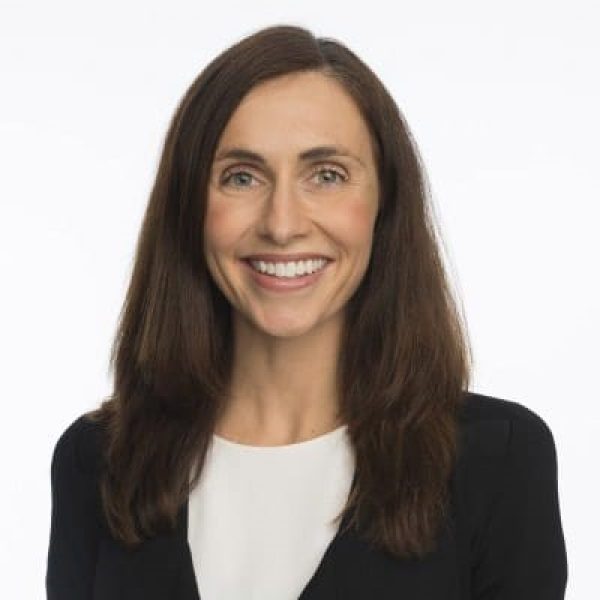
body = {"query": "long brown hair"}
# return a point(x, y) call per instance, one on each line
point(404, 362)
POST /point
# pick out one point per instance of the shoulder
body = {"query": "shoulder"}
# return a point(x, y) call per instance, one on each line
point(78, 448)
point(507, 498)
point(503, 443)
point(479, 408)
point(494, 424)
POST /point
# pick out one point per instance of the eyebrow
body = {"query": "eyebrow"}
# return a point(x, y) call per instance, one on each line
point(311, 154)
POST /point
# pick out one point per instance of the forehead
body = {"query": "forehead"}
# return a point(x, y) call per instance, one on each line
point(292, 112)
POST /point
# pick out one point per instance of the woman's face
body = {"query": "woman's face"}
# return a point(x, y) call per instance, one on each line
point(268, 195)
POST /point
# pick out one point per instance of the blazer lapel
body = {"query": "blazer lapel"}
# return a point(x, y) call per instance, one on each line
point(159, 568)
point(362, 571)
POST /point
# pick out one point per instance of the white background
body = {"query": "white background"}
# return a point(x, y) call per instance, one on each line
point(503, 101)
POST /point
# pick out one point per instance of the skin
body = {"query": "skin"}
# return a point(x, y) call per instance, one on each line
point(286, 345)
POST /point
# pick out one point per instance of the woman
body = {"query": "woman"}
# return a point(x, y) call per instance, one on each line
point(290, 416)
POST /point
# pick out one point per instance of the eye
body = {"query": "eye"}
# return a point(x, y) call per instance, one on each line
point(332, 175)
point(239, 178)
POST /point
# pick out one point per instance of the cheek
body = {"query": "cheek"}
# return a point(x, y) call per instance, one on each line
point(222, 225)
point(355, 225)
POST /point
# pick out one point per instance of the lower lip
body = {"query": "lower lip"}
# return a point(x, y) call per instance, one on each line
point(285, 284)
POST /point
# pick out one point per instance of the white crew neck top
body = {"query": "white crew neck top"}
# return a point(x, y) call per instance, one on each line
point(259, 519)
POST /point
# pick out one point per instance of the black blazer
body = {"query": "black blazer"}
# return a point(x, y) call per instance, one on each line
point(503, 541)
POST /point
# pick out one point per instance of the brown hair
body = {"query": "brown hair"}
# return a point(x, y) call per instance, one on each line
point(403, 364)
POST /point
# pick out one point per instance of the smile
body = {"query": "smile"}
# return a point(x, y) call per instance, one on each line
point(289, 269)
point(286, 277)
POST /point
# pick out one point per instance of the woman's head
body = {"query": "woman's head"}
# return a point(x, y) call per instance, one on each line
point(404, 358)
point(270, 62)
point(340, 100)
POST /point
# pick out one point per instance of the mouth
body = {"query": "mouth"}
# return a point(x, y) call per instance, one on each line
point(282, 277)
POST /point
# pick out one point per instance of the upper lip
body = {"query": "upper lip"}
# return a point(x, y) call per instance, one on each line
point(286, 257)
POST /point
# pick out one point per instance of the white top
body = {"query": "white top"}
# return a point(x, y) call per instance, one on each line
point(259, 520)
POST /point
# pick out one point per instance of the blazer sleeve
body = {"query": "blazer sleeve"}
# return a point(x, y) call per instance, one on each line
point(75, 517)
point(524, 555)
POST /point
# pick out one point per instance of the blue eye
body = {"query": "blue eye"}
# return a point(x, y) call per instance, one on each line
point(337, 176)
point(236, 174)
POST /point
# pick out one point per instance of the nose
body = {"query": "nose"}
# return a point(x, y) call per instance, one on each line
point(283, 215)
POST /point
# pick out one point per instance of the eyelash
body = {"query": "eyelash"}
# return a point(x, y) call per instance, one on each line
point(231, 173)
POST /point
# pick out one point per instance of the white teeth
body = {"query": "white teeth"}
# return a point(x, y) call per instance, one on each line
point(289, 269)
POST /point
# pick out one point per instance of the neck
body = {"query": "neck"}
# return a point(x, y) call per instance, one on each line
point(283, 390)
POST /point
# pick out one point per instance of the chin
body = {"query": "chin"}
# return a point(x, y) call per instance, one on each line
point(284, 327)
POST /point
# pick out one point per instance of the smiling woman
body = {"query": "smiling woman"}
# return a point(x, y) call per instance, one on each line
point(291, 414)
